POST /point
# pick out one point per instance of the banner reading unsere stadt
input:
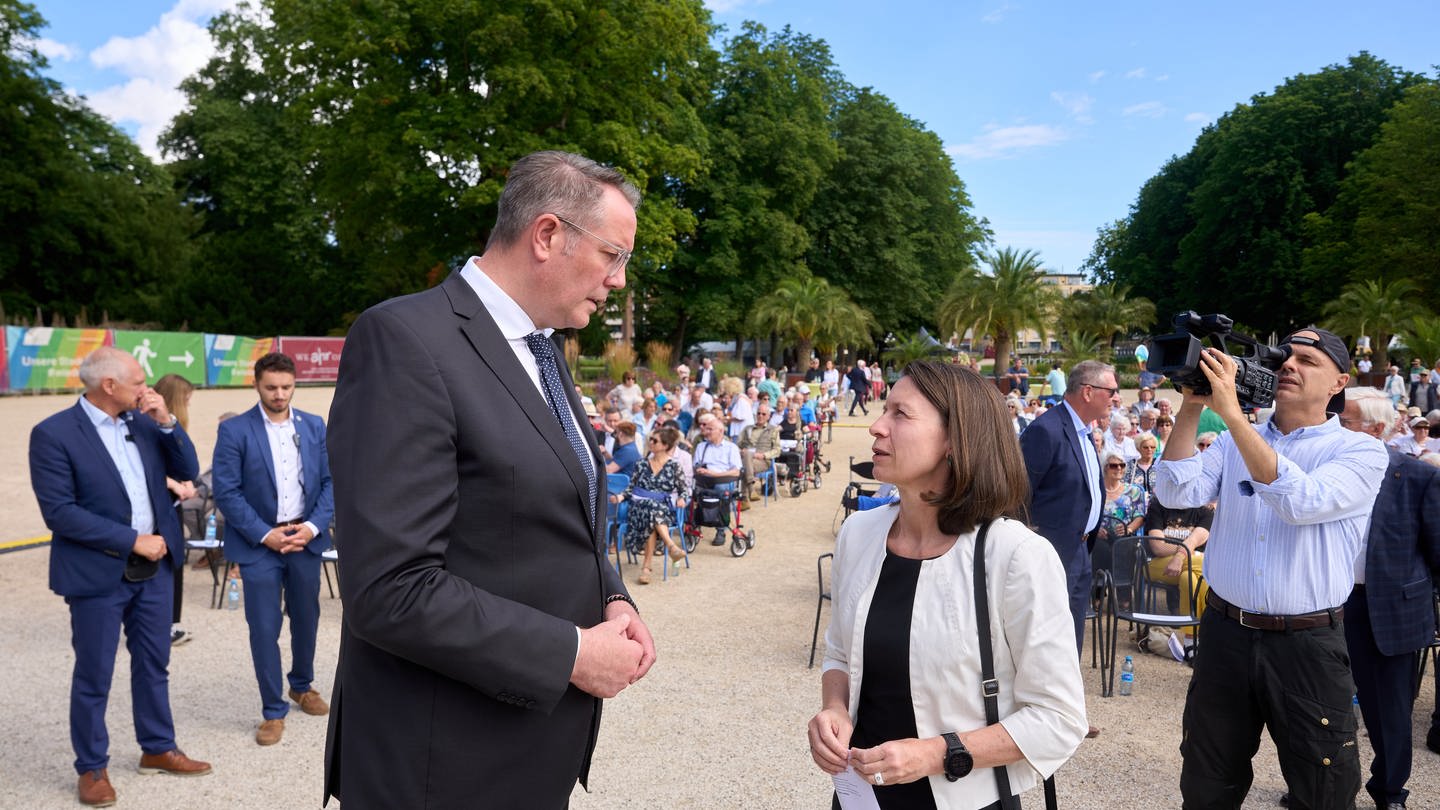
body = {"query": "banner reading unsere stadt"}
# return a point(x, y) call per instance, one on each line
point(47, 359)
point(230, 359)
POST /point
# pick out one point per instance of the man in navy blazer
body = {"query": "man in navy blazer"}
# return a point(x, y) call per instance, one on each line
point(1065, 497)
point(98, 470)
point(272, 484)
point(1390, 614)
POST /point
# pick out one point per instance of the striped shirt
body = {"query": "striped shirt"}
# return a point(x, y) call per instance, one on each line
point(1287, 547)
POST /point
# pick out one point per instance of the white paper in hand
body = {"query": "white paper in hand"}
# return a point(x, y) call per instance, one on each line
point(854, 792)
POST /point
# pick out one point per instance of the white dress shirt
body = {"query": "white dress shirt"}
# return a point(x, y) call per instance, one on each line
point(289, 469)
point(514, 325)
point(1287, 547)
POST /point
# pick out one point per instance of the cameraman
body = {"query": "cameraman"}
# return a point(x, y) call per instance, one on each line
point(1294, 495)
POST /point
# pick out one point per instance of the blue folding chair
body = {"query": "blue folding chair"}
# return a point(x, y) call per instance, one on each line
point(615, 483)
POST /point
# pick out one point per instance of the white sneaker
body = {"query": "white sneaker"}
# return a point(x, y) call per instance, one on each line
point(179, 637)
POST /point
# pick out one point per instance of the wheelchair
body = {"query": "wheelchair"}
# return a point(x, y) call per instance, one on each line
point(717, 506)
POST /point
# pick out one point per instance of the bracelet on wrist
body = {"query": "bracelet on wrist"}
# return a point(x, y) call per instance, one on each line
point(621, 597)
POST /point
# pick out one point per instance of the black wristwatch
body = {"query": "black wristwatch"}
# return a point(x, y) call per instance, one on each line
point(958, 762)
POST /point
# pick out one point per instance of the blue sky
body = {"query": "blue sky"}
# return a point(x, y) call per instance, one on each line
point(1054, 112)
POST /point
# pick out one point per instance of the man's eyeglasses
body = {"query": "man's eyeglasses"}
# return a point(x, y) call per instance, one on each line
point(621, 256)
point(1108, 391)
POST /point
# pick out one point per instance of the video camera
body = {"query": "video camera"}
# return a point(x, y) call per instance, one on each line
point(1177, 356)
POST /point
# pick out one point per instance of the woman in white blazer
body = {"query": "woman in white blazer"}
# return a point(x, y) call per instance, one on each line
point(901, 689)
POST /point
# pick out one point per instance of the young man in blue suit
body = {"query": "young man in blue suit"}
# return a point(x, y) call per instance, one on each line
point(272, 484)
point(98, 470)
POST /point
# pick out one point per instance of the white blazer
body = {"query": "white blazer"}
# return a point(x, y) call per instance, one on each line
point(1042, 697)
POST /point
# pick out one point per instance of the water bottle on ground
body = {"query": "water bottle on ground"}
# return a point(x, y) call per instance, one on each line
point(1127, 677)
point(232, 595)
point(210, 527)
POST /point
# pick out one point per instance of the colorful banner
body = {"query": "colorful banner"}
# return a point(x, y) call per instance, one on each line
point(44, 358)
point(5, 340)
point(161, 353)
point(317, 359)
point(230, 359)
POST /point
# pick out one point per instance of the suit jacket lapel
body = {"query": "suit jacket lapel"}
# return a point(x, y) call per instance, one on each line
point(257, 431)
point(484, 336)
point(92, 438)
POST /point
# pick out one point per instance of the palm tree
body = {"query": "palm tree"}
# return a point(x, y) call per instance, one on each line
point(810, 311)
point(1375, 308)
point(1107, 311)
point(1011, 298)
point(1076, 346)
point(1423, 339)
point(904, 350)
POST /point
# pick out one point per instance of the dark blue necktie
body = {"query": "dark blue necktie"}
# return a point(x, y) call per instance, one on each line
point(544, 352)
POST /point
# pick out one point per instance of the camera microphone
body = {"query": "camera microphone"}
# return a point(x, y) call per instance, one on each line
point(130, 438)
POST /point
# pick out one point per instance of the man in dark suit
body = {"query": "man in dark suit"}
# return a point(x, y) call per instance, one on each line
point(705, 377)
point(272, 483)
point(483, 622)
point(1064, 471)
point(1390, 614)
point(98, 470)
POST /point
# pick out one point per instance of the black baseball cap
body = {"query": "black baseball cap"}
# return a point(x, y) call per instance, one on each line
point(1332, 347)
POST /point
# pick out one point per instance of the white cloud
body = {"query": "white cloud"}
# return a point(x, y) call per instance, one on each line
point(1137, 73)
point(1197, 118)
point(1148, 109)
point(1096, 76)
point(1003, 142)
point(998, 14)
point(154, 63)
point(55, 51)
point(1077, 104)
point(1163, 77)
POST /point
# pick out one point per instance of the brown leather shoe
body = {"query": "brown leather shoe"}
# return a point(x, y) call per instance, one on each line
point(270, 731)
point(310, 702)
point(174, 762)
point(1092, 733)
point(95, 789)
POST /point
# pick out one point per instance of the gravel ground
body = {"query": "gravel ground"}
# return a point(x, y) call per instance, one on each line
point(718, 723)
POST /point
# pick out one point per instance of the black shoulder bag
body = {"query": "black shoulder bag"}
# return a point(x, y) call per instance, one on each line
point(989, 687)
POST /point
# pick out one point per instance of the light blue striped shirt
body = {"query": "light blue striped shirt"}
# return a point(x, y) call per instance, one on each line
point(1290, 546)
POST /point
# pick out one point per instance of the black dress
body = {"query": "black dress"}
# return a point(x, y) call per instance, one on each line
point(886, 711)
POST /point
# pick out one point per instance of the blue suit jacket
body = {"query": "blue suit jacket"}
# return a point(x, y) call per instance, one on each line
point(1402, 554)
point(83, 498)
point(1059, 494)
point(244, 482)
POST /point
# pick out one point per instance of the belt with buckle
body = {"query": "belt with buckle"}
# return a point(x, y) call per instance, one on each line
point(1266, 621)
point(292, 522)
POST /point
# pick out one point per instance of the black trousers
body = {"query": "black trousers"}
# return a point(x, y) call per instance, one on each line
point(1296, 684)
point(1385, 686)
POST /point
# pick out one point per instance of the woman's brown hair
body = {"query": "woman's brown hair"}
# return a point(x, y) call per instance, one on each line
point(175, 390)
point(667, 436)
point(626, 429)
point(987, 473)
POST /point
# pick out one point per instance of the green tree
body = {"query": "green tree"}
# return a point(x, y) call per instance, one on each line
point(891, 221)
point(89, 221)
point(1386, 220)
point(1222, 228)
point(1011, 298)
point(1422, 337)
point(809, 311)
point(1375, 308)
point(769, 149)
point(401, 121)
point(917, 345)
point(1106, 310)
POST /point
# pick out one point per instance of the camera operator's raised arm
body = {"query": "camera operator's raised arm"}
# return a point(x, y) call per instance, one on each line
point(1260, 459)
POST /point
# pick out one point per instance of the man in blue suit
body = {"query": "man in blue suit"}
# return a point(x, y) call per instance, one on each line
point(1389, 615)
point(272, 483)
point(98, 470)
point(1064, 471)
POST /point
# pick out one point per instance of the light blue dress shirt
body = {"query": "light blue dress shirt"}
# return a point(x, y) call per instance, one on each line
point(1092, 466)
point(1287, 547)
point(126, 457)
